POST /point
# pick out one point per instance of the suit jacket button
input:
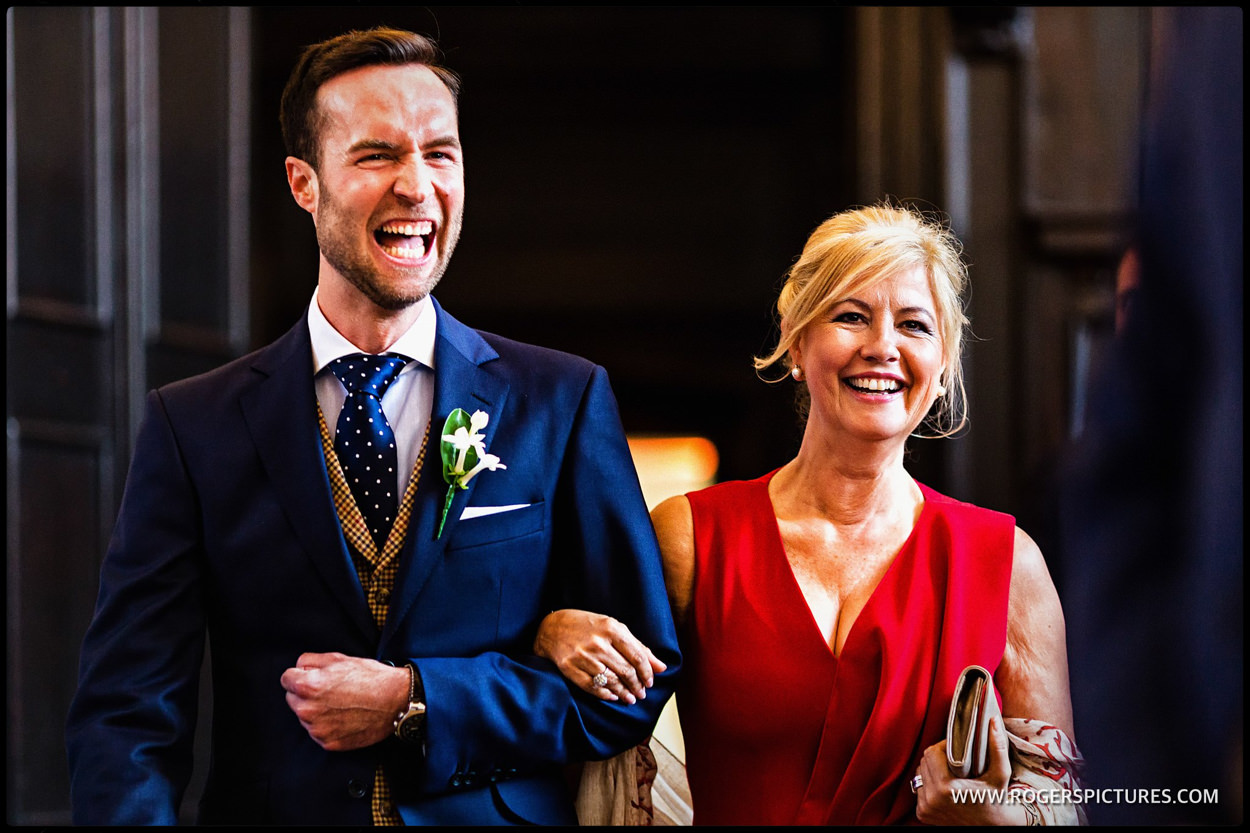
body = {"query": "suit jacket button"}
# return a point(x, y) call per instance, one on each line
point(357, 789)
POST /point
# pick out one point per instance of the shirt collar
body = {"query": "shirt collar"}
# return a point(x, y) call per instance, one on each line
point(329, 344)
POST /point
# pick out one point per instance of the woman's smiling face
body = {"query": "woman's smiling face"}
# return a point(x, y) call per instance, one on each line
point(874, 362)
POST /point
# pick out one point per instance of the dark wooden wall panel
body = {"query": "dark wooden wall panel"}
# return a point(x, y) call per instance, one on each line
point(59, 391)
point(198, 319)
point(69, 381)
point(59, 395)
point(51, 121)
point(193, 135)
point(127, 235)
point(1084, 84)
point(59, 518)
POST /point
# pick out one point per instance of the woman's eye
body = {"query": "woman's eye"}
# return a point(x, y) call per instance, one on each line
point(849, 317)
point(917, 326)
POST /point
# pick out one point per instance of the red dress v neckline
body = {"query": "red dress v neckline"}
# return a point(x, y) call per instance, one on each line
point(801, 602)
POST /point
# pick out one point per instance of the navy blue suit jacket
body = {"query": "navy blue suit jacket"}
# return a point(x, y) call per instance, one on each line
point(227, 527)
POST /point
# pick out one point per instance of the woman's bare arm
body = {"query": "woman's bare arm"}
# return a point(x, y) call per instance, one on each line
point(1033, 676)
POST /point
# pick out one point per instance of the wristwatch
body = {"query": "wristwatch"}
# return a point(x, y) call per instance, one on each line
point(410, 723)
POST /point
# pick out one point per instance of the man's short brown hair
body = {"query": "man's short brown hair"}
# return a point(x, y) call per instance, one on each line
point(320, 62)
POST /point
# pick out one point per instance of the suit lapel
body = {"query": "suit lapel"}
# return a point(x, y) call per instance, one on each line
point(462, 379)
point(280, 411)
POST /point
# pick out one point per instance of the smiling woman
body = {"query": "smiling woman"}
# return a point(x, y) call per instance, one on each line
point(874, 362)
point(852, 253)
point(841, 570)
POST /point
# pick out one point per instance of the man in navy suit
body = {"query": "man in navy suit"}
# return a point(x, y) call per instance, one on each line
point(362, 674)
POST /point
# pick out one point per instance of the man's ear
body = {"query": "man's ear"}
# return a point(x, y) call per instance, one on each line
point(303, 181)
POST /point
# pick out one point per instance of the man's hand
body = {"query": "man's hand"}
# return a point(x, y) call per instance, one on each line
point(345, 702)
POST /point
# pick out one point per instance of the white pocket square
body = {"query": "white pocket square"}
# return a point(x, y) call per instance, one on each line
point(479, 511)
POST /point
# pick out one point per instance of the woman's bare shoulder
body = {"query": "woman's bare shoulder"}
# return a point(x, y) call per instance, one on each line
point(674, 528)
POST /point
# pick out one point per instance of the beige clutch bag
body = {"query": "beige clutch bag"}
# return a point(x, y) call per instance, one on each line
point(968, 726)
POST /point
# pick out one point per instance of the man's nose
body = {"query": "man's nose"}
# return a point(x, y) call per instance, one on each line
point(413, 182)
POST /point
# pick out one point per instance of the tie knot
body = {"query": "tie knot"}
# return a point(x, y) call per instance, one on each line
point(365, 373)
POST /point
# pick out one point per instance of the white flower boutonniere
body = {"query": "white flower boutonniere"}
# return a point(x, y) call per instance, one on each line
point(464, 454)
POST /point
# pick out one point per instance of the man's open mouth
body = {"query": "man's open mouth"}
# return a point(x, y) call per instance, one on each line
point(406, 240)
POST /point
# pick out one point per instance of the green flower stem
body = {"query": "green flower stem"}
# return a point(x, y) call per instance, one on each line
point(451, 494)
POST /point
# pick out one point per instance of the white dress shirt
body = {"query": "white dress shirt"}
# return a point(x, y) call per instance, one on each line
point(409, 399)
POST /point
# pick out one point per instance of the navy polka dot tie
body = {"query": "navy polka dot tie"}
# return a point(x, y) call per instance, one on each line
point(364, 441)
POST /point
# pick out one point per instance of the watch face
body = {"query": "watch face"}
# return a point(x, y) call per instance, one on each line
point(412, 726)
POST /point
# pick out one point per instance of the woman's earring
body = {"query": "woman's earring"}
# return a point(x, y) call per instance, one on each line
point(797, 373)
point(941, 391)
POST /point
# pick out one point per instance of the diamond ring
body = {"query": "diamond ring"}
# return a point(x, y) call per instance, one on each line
point(601, 679)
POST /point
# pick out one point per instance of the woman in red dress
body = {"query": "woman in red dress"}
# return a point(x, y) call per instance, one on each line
point(826, 608)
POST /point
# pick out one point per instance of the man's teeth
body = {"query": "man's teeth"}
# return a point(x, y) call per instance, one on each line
point(414, 245)
point(409, 229)
point(876, 385)
point(406, 252)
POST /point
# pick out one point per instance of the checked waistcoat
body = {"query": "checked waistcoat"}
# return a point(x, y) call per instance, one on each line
point(376, 569)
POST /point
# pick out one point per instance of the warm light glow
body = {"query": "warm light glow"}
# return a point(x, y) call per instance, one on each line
point(670, 466)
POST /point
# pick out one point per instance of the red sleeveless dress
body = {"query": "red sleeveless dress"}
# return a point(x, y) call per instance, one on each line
point(780, 731)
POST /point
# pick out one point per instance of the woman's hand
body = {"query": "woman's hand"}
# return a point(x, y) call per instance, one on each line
point(935, 802)
point(584, 645)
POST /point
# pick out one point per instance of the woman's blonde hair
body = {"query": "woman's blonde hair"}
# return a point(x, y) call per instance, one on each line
point(854, 250)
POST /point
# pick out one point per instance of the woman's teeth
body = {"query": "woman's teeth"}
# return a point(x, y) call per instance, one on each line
point(875, 385)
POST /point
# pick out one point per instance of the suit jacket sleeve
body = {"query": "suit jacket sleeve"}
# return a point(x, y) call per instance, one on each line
point(494, 712)
point(132, 721)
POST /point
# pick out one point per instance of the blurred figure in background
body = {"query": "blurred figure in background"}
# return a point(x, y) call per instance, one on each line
point(1152, 499)
point(1127, 279)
